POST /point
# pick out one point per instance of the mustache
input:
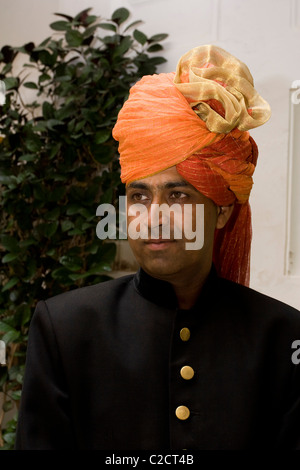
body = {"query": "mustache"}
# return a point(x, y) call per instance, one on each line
point(160, 232)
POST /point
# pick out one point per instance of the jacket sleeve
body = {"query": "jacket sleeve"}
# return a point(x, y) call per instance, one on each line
point(44, 421)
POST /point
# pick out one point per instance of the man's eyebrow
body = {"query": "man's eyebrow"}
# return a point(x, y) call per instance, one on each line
point(178, 184)
point(168, 185)
point(137, 185)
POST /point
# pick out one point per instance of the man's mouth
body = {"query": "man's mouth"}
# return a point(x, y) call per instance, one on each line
point(159, 244)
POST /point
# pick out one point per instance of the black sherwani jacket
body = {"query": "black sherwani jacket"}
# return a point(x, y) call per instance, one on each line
point(103, 370)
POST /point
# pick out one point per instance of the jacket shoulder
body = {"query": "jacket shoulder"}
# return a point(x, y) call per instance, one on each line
point(86, 299)
point(258, 305)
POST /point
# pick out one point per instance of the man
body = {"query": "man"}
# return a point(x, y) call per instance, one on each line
point(181, 355)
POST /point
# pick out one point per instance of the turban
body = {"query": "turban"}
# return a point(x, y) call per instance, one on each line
point(198, 119)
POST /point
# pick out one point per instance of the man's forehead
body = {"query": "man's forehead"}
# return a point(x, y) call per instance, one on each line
point(171, 184)
point(166, 179)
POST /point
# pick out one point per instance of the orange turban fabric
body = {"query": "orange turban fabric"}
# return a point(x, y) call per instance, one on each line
point(198, 119)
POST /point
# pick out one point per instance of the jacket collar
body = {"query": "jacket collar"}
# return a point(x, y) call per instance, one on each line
point(161, 292)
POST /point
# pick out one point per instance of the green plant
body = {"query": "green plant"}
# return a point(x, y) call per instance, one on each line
point(58, 162)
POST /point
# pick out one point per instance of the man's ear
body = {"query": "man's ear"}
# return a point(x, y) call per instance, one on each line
point(224, 213)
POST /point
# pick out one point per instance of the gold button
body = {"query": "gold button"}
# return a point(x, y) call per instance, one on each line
point(185, 334)
point(182, 412)
point(187, 372)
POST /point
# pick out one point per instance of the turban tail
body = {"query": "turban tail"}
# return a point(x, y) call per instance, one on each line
point(197, 119)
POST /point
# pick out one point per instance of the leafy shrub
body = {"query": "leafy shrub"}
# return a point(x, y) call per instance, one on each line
point(58, 162)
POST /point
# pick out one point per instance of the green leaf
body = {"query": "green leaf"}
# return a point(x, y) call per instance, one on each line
point(11, 336)
point(3, 376)
point(63, 78)
point(157, 60)
point(53, 215)
point(102, 136)
point(107, 196)
point(135, 23)
point(74, 38)
point(66, 111)
point(15, 372)
point(50, 229)
point(48, 111)
point(51, 252)
point(108, 26)
point(46, 58)
point(33, 143)
point(89, 215)
point(90, 20)
point(61, 274)
point(27, 158)
point(11, 83)
point(7, 406)
point(66, 225)
point(44, 77)
point(9, 257)
point(107, 252)
point(23, 314)
point(54, 149)
point(11, 283)
point(155, 48)
point(140, 37)
point(44, 42)
point(5, 327)
point(40, 127)
point(158, 37)
point(124, 46)
point(6, 69)
point(82, 15)
point(73, 209)
point(28, 242)
point(98, 269)
point(120, 15)
point(79, 126)
point(47, 229)
point(71, 262)
point(9, 243)
point(9, 438)
point(93, 248)
point(68, 17)
point(52, 123)
point(16, 395)
point(60, 26)
point(75, 231)
point(31, 85)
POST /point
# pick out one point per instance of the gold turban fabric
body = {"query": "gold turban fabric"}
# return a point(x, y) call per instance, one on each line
point(197, 119)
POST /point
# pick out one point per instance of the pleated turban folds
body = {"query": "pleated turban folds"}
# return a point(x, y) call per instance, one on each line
point(198, 120)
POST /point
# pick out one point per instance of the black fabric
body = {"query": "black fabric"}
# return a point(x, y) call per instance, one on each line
point(103, 370)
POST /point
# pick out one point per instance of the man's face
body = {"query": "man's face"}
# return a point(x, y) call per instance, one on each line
point(168, 258)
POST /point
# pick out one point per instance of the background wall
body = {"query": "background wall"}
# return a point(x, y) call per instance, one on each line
point(265, 34)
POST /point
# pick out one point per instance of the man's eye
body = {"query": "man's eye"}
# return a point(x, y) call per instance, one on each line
point(138, 197)
point(178, 195)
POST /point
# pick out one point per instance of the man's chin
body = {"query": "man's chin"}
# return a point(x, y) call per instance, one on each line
point(160, 270)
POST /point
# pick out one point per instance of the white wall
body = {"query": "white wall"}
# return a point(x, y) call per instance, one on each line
point(265, 34)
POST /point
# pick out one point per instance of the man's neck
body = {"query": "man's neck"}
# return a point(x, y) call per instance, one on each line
point(188, 290)
point(187, 295)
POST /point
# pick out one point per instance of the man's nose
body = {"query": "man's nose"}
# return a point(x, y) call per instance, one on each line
point(158, 198)
point(155, 215)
